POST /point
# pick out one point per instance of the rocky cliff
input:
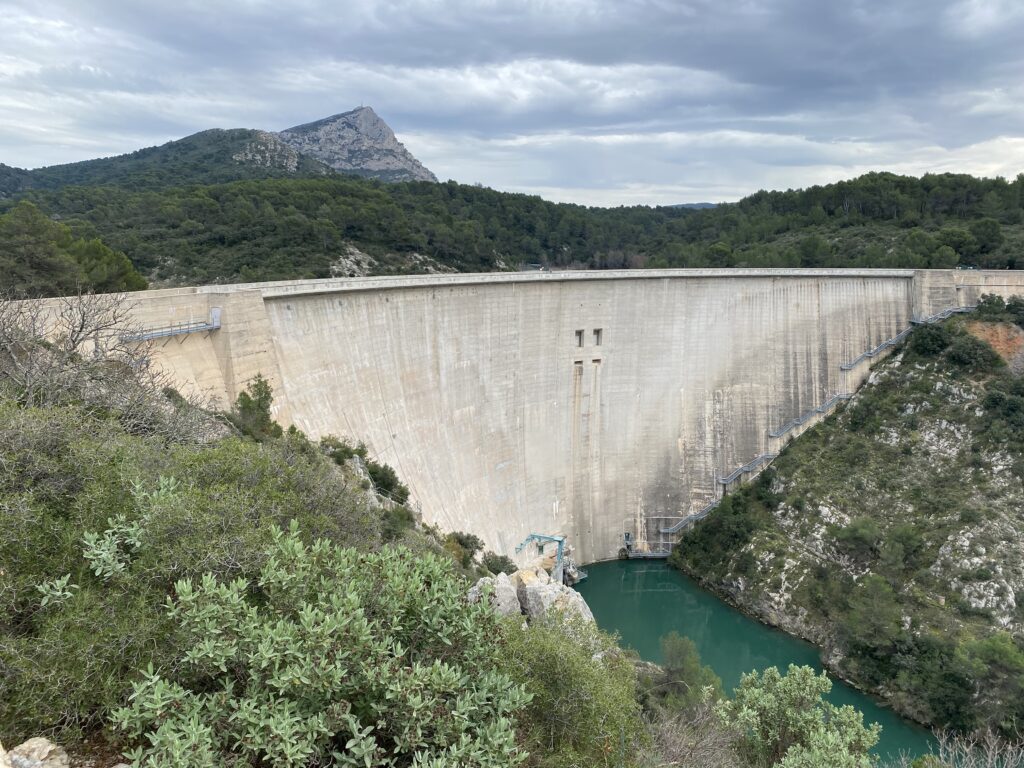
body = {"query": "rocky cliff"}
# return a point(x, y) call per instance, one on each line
point(890, 535)
point(357, 142)
point(267, 150)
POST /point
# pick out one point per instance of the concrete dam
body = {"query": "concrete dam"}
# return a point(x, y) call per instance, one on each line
point(591, 404)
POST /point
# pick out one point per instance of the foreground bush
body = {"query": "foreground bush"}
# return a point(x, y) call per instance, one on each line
point(783, 720)
point(584, 711)
point(119, 518)
point(330, 656)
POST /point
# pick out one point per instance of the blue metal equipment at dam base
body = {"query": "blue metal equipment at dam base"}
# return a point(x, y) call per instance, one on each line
point(565, 570)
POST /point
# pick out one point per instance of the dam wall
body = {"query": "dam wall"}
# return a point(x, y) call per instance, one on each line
point(585, 403)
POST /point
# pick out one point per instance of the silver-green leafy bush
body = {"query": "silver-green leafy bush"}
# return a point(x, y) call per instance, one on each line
point(784, 720)
point(332, 656)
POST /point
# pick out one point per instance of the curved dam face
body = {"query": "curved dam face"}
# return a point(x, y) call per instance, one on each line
point(592, 404)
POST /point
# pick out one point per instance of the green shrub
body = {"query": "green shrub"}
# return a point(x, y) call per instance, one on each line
point(330, 654)
point(683, 684)
point(499, 563)
point(784, 721)
point(990, 308)
point(123, 517)
point(341, 450)
point(396, 521)
point(251, 413)
point(462, 547)
point(584, 711)
point(386, 482)
point(859, 539)
point(930, 340)
point(710, 546)
point(973, 354)
point(384, 478)
point(1015, 308)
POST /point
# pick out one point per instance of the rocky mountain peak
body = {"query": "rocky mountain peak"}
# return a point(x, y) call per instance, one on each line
point(357, 142)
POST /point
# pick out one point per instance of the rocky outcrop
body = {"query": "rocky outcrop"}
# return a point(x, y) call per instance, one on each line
point(357, 142)
point(267, 150)
point(35, 753)
point(532, 592)
point(501, 593)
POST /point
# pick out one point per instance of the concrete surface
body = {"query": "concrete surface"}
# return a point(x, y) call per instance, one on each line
point(583, 403)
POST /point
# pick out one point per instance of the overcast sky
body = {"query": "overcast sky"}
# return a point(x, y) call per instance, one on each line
point(601, 102)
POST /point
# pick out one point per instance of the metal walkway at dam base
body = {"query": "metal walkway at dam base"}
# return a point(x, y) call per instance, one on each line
point(663, 547)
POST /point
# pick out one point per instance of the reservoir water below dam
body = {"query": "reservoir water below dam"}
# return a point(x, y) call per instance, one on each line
point(645, 600)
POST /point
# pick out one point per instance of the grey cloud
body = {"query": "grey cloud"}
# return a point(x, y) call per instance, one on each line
point(751, 92)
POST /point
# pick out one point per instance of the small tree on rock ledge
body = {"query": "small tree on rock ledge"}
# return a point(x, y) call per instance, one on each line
point(251, 413)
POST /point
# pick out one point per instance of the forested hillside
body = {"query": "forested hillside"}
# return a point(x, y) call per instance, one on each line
point(891, 533)
point(41, 257)
point(208, 157)
point(264, 229)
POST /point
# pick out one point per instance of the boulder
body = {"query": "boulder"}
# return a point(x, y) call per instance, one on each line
point(542, 599)
point(506, 599)
point(476, 592)
point(38, 753)
point(525, 577)
point(4, 762)
point(503, 595)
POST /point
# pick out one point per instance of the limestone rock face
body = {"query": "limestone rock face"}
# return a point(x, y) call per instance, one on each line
point(357, 142)
point(503, 594)
point(524, 578)
point(358, 467)
point(267, 150)
point(36, 753)
point(531, 591)
point(542, 599)
point(4, 762)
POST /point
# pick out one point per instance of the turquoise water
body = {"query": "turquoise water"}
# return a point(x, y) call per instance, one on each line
point(644, 600)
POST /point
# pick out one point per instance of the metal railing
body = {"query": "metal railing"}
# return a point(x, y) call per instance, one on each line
point(823, 408)
point(876, 351)
point(946, 313)
point(178, 329)
point(704, 512)
point(650, 554)
point(764, 458)
point(938, 316)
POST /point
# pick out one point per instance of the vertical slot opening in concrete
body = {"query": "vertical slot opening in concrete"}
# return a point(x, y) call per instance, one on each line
point(597, 337)
point(579, 338)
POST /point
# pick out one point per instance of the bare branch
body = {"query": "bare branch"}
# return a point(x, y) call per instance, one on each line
point(81, 350)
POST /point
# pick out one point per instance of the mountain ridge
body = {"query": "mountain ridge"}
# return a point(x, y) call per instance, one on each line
point(356, 143)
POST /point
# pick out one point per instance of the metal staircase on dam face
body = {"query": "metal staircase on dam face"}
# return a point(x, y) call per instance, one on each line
point(667, 535)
